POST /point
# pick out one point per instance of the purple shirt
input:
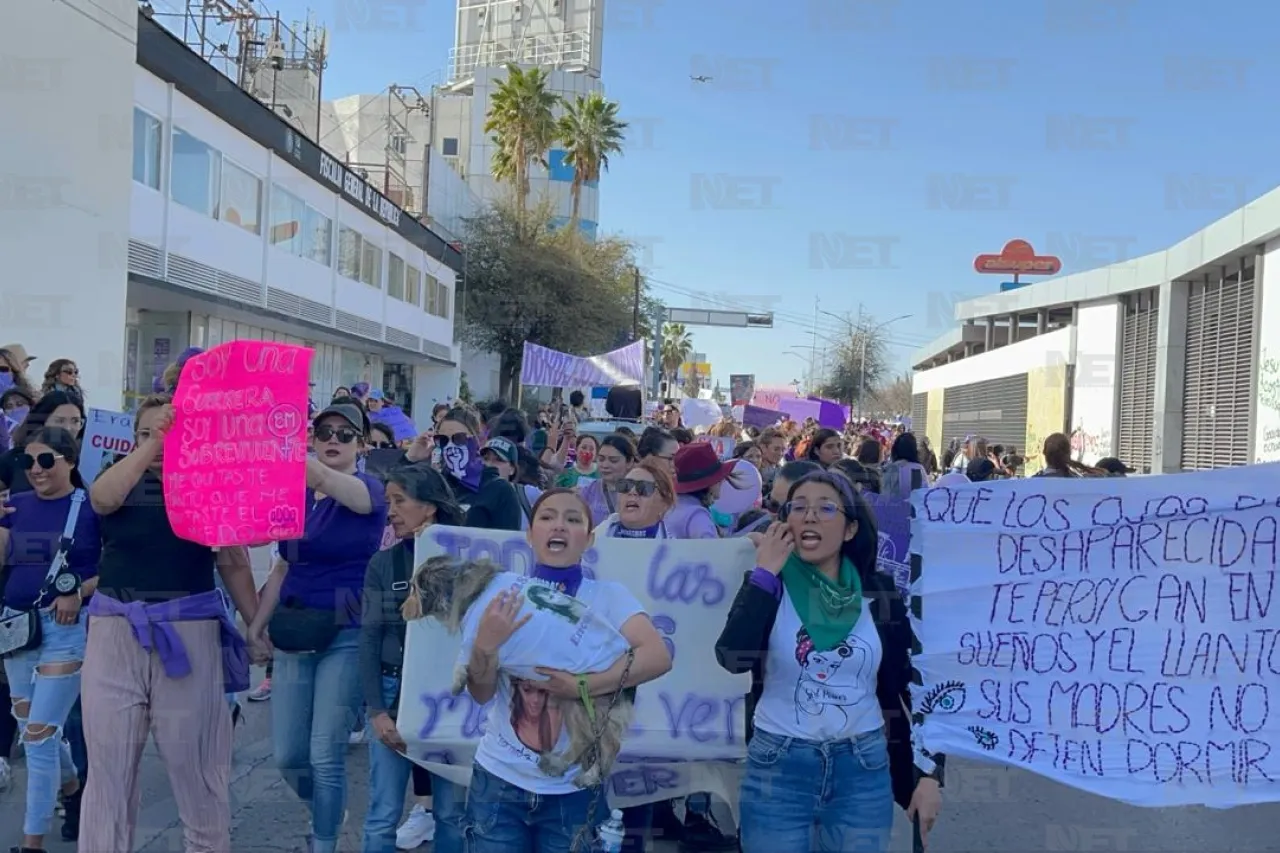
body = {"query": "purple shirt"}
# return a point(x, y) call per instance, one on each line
point(593, 493)
point(327, 565)
point(35, 526)
point(689, 519)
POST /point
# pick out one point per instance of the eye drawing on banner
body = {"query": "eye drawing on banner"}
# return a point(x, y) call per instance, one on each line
point(821, 690)
point(985, 738)
point(946, 698)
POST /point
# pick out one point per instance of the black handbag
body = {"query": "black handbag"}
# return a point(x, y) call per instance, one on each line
point(20, 632)
point(296, 628)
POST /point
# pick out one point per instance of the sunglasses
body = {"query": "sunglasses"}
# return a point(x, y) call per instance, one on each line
point(4, 368)
point(643, 488)
point(45, 460)
point(70, 371)
point(824, 511)
point(459, 438)
point(345, 435)
point(384, 445)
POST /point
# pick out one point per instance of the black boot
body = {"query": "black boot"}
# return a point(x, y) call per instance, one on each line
point(71, 816)
point(702, 834)
point(665, 825)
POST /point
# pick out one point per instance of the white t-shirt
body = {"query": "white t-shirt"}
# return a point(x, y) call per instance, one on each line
point(575, 634)
point(815, 695)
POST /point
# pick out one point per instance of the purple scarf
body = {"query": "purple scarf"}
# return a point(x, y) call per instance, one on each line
point(568, 579)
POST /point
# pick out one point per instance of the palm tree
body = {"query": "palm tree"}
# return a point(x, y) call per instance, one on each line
point(590, 131)
point(677, 347)
point(523, 126)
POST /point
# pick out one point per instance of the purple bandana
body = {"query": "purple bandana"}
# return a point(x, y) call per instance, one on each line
point(566, 580)
point(620, 532)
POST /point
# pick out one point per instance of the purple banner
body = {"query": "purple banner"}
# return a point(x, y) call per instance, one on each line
point(833, 414)
point(760, 417)
point(551, 368)
point(800, 409)
point(893, 521)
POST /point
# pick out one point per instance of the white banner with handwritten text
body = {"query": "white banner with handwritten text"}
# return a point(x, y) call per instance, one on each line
point(1121, 636)
point(688, 734)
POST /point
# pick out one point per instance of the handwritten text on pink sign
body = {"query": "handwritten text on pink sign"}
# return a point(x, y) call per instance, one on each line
point(235, 460)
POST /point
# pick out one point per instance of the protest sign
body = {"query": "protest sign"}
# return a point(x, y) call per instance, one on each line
point(893, 525)
point(108, 436)
point(1117, 635)
point(688, 734)
point(235, 459)
point(724, 446)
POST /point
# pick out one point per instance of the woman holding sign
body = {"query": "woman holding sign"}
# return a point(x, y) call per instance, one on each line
point(827, 641)
point(309, 614)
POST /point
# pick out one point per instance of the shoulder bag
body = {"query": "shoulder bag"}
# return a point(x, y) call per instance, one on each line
point(20, 632)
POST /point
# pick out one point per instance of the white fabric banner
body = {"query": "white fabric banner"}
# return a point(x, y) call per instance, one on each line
point(1121, 636)
point(107, 437)
point(688, 733)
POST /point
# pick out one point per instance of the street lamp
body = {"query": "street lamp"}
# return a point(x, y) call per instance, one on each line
point(855, 331)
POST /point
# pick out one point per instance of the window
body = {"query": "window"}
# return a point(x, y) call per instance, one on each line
point(196, 176)
point(146, 149)
point(413, 286)
point(449, 146)
point(437, 302)
point(444, 300)
point(398, 143)
point(358, 259)
point(395, 277)
point(241, 201)
point(300, 229)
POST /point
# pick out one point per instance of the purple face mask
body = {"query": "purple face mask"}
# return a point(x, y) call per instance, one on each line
point(6, 381)
point(463, 462)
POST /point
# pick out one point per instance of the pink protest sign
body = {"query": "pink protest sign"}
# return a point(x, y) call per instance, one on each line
point(235, 460)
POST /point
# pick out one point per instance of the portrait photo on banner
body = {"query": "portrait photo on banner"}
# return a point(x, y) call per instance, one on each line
point(688, 729)
point(1121, 636)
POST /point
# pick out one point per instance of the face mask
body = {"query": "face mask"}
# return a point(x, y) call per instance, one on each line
point(585, 458)
point(463, 462)
point(16, 417)
point(6, 381)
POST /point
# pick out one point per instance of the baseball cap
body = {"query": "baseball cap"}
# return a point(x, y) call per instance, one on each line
point(375, 394)
point(347, 411)
point(503, 448)
point(1112, 465)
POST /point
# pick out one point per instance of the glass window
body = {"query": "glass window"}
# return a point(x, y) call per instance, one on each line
point(196, 176)
point(317, 237)
point(241, 202)
point(449, 146)
point(371, 264)
point(287, 215)
point(349, 253)
point(443, 301)
point(433, 288)
point(146, 149)
point(395, 277)
point(413, 286)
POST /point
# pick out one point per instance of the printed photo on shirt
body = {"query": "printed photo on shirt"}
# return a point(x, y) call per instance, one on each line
point(536, 716)
point(833, 681)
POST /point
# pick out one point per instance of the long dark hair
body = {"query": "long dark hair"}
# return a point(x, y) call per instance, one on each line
point(426, 485)
point(863, 548)
point(63, 443)
point(40, 412)
point(820, 438)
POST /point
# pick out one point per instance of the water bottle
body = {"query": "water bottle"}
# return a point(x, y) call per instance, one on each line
point(612, 833)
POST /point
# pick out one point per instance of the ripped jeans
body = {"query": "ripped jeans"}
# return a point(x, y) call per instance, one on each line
point(41, 703)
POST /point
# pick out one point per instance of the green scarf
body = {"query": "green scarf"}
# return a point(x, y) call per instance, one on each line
point(827, 610)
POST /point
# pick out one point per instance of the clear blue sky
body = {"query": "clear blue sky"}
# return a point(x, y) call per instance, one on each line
point(968, 97)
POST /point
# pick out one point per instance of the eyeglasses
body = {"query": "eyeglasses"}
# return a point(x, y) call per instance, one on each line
point(643, 488)
point(345, 435)
point(824, 511)
point(45, 460)
point(459, 438)
point(384, 445)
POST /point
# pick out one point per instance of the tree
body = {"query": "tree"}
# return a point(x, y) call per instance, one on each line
point(590, 131)
point(677, 348)
point(895, 397)
point(522, 121)
point(861, 363)
point(527, 282)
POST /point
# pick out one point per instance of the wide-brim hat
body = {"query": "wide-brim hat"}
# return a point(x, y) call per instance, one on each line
point(698, 467)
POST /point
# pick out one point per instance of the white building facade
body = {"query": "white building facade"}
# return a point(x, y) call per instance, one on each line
point(1170, 361)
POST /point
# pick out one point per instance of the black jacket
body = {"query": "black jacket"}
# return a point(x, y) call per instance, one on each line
point(494, 506)
point(744, 643)
point(382, 628)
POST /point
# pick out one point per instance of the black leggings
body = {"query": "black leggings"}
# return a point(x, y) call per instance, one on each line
point(8, 725)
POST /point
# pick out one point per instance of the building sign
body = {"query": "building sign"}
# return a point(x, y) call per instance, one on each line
point(359, 191)
point(1017, 257)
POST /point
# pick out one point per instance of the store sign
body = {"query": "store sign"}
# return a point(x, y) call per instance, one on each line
point(359, 191)
point(1019, 258)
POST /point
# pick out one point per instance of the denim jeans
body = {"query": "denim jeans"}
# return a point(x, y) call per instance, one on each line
point(502, 818)
point(315, 697)
point(807, 796)
point(389, 773)
point(50, 697)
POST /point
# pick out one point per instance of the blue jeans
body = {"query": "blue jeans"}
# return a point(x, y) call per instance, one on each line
point(315, 697)
point(807, 796)
point(49, 699)
point(502, 818)
point(389, 773)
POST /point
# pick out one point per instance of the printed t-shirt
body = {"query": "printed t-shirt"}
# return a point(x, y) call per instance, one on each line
point(142, 558)
point(575, 634)
point(815, 695)
point(327, 565)
point(35, 527)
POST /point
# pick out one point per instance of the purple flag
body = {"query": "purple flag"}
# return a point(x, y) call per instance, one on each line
point(551, 368)
point(893, 522)
point(760, 417)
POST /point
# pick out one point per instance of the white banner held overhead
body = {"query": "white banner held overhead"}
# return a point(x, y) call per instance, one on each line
point(108, 436)
point(688, 734)
point(1119, 635)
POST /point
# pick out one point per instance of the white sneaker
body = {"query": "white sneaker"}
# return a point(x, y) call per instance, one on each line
point(6, 775)
point(418, 828)
point(356, 737)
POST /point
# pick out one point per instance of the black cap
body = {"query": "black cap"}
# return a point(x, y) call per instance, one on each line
point(980, 469)
point(347, 411)
point(1114, 466)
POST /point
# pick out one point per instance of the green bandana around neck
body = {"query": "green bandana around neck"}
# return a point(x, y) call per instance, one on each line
point(827, 610)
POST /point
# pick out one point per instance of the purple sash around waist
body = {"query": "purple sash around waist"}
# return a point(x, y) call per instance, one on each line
point(152, 626)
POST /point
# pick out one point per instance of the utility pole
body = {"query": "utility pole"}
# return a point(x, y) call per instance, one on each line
point(813, 353)
point(635, 309)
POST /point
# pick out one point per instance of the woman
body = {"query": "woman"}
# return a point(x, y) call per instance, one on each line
point(614, 458)
point(63, 375)
point(749, 451)
point(308, 620)
point(659, 444)
point(489, 501)
point(55, 409)
point(13, 367)
point(44, 682)
point(171, 681)
point(645, 495)
point(699, 473)
point(827, 641)
point(904, 469)
point(826, 448)
point(584, 464)
point(417, 498)
point(512, 805)
point(1057, 458)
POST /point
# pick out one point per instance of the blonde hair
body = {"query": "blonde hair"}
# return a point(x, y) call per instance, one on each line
point(152, 401)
